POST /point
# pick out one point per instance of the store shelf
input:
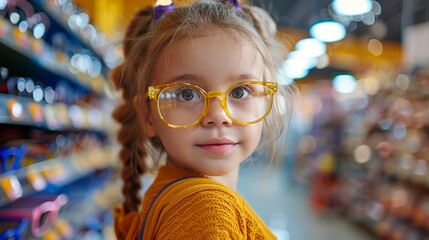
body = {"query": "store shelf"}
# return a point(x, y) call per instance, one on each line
point(58, 136)
point(15, 110)
point(53, 173)
point(60, 20)
point(44, 67)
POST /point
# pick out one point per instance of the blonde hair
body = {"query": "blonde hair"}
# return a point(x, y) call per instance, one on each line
point(146, 40)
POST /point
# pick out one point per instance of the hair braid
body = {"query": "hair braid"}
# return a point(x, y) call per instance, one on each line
point(133, 150)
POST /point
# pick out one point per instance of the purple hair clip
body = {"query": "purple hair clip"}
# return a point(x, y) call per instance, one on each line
point(162, 8)
point(236, 4)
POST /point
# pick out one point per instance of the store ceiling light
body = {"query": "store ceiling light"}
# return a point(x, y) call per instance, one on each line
point(301, 60)
point(328, 31)
point(344, 83)
point(352, 7)
point(311, 47)
point(294, 69)
point(322, 61)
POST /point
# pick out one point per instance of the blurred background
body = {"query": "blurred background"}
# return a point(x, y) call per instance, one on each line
point(357, 162)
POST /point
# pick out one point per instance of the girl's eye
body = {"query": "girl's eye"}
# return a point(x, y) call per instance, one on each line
point(240, 92)
point(188, 94)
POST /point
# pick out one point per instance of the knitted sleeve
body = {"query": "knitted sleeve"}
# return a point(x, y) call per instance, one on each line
point(209, 214)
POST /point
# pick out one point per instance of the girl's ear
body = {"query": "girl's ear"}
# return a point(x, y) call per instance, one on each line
point(147, 119)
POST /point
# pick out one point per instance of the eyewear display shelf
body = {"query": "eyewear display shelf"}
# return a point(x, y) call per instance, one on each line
point(55, 125)
point(385, 175)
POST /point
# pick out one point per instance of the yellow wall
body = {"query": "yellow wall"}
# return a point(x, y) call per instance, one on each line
point(112, 16)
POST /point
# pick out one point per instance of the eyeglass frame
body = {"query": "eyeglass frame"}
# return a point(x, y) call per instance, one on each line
point(16, 232)
point(154, 91)
point(51, 207)
point(17, 153)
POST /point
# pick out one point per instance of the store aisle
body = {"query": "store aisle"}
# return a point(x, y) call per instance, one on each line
point(284, 206)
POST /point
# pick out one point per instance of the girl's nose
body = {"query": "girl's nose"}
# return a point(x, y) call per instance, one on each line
point(216, 114)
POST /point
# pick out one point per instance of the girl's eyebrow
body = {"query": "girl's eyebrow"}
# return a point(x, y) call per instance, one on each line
point(194, 79)
point(183, 78)
point(248, 76)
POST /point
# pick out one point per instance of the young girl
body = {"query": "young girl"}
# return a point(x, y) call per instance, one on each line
point(199, 84)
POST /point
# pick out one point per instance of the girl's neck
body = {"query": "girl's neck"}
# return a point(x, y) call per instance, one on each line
point(230, 179)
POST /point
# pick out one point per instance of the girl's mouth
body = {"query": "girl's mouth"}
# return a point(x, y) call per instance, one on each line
point(217, 148)
point(217, 145)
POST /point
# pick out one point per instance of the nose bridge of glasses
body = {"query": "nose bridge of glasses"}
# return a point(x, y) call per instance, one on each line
point(213, 94)
point(217, 94)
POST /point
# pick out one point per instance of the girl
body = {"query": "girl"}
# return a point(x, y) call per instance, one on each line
point(198, 84)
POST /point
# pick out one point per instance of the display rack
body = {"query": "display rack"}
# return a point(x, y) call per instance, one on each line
point(384, 176)
point(365, 156)
point(55, 136)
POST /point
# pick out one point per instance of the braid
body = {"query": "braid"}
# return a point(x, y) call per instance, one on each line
point(131, 155)
point(130, 135)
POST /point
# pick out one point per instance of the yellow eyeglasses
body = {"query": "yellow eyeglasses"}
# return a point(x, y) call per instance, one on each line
point(182, 105)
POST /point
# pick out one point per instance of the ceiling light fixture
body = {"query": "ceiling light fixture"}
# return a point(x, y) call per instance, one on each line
point(344, 83)
point(311, 47)
point(352, 7)
point(328, 31)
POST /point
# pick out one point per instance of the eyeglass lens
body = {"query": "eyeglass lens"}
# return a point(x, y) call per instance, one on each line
point(184, 104)
point(181, 105)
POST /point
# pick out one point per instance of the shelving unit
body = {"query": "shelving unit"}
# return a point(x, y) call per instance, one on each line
point(365, 156)
point(62, 130)
point(379, 168)
point(386, 176)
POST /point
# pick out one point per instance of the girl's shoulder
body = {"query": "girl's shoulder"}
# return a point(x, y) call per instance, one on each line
point(198, 207)
point(203, 191)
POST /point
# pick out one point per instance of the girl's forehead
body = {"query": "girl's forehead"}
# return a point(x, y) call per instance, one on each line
point(208, 56)
point(212, 43)
point(210, 33)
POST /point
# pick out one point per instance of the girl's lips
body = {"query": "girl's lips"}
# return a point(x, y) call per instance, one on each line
point(217, 148)
point(217, 145)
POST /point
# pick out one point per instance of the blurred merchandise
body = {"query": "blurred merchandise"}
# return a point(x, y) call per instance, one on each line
point(366, 156)
point(54, 133)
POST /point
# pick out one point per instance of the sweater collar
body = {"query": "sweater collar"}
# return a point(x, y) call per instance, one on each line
point(171, 171)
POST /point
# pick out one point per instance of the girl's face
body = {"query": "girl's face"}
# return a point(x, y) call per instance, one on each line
point(216, 146)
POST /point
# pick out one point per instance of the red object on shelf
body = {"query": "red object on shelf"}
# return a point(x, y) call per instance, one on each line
point(324, 192)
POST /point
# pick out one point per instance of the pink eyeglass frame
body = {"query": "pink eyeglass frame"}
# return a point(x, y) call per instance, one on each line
point(51, 207)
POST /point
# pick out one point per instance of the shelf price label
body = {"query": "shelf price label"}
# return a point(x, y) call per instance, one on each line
point(11, 187)
point(54, 173)
point(36, 112)
point(63, 227)
point(4, 27)
point(36, 180)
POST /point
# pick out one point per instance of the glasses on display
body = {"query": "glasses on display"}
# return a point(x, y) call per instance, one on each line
point(182, 105)
point(42, 210)
point(11, 158)
point(13, 229)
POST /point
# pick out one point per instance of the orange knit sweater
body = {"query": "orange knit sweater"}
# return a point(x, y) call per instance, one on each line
point(195, 208)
